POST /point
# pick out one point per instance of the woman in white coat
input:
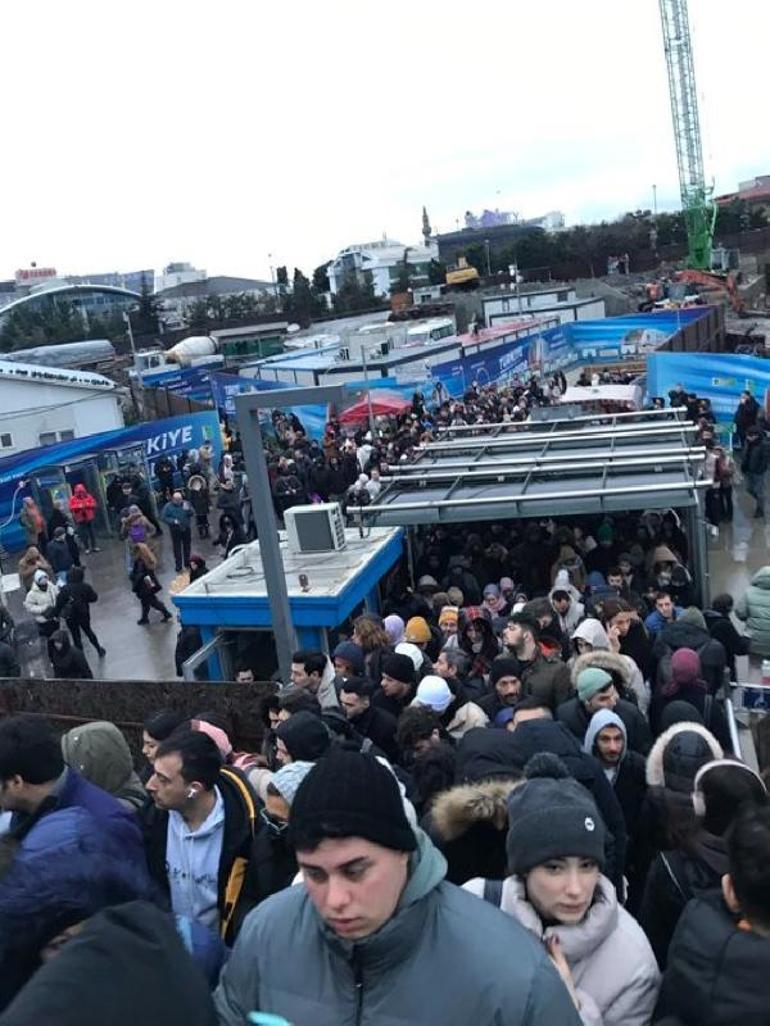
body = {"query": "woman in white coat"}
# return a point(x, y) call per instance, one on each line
point(40, 601)
point(556, 890)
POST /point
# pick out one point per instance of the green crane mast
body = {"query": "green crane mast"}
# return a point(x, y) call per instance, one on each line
point(698, 207)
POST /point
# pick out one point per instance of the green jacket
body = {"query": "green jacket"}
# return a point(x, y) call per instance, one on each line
point(445, 957)
point(754, 607)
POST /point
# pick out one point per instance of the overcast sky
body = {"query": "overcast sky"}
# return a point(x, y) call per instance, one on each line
point(220, 132)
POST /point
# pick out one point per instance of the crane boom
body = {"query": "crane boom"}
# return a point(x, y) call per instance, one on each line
point(697, 207)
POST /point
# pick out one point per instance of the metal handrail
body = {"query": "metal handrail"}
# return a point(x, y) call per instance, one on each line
point(588, 434)
point(732, 727)
point(521, 424)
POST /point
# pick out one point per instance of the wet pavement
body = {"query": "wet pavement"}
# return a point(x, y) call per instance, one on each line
point(133, 652)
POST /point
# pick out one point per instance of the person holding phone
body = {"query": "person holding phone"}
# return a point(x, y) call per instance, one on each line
point(178, 514)
point(556, 890)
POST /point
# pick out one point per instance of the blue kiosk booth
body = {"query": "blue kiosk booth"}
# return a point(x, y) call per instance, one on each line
point(230, 603)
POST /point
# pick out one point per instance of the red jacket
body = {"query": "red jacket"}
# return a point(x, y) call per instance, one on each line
point(82, 505)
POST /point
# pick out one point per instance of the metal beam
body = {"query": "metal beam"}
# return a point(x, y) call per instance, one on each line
point(405, 470)
point(601, 432)
point(522, 425)
point(247, 407)
point(532, 468)
point(493, 500)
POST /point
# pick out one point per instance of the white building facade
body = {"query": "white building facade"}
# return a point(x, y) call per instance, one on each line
point(383, 260)
point(561, 302)
point(44, 405)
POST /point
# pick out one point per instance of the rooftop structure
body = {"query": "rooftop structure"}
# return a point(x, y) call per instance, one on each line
point(383, 261)
point(571, 465)
point(233, 595)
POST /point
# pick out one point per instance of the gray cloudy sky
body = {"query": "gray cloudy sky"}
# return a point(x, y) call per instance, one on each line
point(218, 132)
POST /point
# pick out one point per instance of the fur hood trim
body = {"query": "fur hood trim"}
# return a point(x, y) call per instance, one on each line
point(454, 812)
point(612, 662)
point(654, 772)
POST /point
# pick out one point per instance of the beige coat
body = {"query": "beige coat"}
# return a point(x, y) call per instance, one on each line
point(615, 972)
point(466, 718)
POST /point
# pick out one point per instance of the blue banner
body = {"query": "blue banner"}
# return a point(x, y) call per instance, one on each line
point(170, 437)
point(225, 387)
point(720, 377)
point(190, 382)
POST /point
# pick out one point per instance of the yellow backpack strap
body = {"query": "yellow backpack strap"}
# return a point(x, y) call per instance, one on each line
point(238, 871)
point(245, 793)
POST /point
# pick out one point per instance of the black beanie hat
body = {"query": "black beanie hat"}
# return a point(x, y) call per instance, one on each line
point(399, 667)
point(504, 666)
point(551, 816)
point(305, 736)
point(350, 794)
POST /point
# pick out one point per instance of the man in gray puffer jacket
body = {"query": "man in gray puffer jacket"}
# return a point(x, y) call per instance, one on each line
point(375, 935)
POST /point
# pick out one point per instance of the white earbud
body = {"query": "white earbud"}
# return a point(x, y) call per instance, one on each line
point(191, 793)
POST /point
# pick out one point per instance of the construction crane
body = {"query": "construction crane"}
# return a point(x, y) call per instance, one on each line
point(698, 207)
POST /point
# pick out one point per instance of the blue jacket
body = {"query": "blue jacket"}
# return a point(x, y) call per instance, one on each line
point(177, 516)
point(655, 622)
point(66, 868)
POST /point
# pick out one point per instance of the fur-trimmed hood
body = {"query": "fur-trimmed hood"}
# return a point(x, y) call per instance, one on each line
point(454, 812)
point(612, 662)
point(661, 772)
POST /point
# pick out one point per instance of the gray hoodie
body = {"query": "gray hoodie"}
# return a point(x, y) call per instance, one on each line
point(601, 719)
point(443, 957)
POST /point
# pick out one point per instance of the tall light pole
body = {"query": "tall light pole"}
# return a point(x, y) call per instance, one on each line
point(489, 263)
point(655, 201)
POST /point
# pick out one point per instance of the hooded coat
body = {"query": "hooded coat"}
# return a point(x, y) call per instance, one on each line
point(628, 778)
point(469, 824)
point(717, 974)
point(576, 610)
point(100, 753)
point(82, 505)
point(628, 683)
point(690, 631)
point(64, 870)
point(612, 964)
point(68, 662)
point(127, 965)
point(39, 601)
point(491, 972)
point(754, 607)
point(674, 759)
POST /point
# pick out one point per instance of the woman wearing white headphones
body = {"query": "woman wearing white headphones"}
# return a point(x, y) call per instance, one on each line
point(721, 787)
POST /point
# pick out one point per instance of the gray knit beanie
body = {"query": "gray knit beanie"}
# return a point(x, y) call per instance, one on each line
point(551, 816)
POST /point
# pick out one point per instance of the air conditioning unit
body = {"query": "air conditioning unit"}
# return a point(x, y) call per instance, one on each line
point(343, 353)
point(316, 528)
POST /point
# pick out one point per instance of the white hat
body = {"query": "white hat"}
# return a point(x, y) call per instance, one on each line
point(434, 692)
point(408, 649)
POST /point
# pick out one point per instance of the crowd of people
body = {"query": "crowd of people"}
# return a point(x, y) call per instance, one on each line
point(520, 780)
point(514, 797)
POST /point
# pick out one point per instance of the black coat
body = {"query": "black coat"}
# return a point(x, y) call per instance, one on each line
point(681, 634)
point(59, 556)
point(722, 629)
point(81, 596)
point(577, 718)
point(674, 878)
point(380, 727)
point(9, 664)
point(535, 736)
point(70, 663)
point(717, 974)
point(709, 706)
point(128, 957)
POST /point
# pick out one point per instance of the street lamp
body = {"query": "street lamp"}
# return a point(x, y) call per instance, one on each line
point(489, 264)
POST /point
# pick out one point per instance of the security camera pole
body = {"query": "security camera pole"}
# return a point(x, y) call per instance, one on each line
point(247, 407)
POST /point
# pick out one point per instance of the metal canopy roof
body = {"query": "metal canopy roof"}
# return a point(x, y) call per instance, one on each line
point(577, 465)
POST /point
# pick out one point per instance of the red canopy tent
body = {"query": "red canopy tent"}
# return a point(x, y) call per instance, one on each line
point(383, 405)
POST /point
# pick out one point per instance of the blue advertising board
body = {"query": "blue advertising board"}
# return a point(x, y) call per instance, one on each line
point(720, 377)
point(190, 382)
point(225, 387)
point(170, 437)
